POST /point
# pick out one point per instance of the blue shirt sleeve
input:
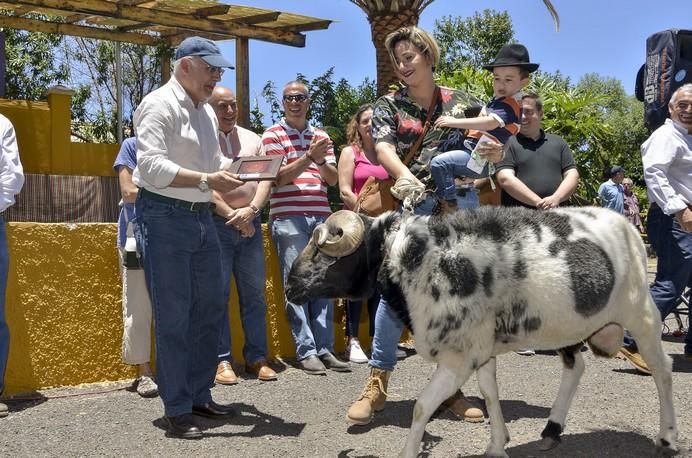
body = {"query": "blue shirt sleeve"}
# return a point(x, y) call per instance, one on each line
point(127, 155)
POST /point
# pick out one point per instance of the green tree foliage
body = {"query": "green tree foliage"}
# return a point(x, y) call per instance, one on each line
point(94, 77)
point(601, 123)
point(472, 41)
point(32, 64)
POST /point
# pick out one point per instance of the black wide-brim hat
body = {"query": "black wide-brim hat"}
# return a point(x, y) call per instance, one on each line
point(513, 55)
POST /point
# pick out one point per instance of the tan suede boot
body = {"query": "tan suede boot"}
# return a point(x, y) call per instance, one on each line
point(372, 398)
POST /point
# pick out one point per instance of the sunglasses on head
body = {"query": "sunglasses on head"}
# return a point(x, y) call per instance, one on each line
point(295, 98)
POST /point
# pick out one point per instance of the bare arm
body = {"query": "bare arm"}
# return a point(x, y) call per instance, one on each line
point(563, 192)
point(128, 190)
point(245, 215)
point(516, 188)
point(386, 156)
point(484, 123)
point(568, 185)
point(345, 171)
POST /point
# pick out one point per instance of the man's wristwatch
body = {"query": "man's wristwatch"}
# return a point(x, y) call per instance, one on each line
point(256, 210)
point(203, 185)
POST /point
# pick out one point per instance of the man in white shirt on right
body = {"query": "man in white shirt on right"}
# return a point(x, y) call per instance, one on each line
point(667, 161)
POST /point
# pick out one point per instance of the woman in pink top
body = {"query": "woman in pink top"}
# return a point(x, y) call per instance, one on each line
point(357, 162)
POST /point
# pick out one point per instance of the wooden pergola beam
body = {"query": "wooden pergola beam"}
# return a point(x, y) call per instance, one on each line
point(71, 19)
point(258, 18)
point(127, 28)
point(133, 2)
point(21, 11)
point(167, 18)
point(212, 10)
point(35, 25)
point(306, 26)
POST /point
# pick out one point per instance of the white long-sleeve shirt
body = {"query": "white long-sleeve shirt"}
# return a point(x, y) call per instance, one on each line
point(173, 133)
point(11, 171)
point(667, 160)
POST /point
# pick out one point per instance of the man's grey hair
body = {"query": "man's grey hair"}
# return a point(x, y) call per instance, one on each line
point(176, 64)
point(685, 88)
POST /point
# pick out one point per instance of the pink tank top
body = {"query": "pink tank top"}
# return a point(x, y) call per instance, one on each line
point(363, 169)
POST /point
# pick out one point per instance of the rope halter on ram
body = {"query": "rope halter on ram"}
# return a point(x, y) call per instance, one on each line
point(340, 235)
point(409, 192)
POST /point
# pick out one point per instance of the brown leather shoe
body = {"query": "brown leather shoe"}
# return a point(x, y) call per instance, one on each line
point(261, 370)
point(462, 407)
point(225, 374)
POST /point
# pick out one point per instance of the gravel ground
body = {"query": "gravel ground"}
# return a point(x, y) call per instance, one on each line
point(615, 414)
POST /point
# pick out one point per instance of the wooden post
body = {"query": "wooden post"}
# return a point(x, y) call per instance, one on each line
point(242, 81)
point(165, 68)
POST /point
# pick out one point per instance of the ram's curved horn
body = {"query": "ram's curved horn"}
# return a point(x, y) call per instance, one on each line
point(340, 235)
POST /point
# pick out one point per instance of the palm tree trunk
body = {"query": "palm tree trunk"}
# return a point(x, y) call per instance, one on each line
point(382, 25)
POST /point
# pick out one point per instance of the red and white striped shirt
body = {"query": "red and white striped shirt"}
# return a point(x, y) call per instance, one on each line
point(307, 194)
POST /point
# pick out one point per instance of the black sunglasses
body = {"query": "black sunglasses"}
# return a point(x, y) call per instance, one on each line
point(295, 98)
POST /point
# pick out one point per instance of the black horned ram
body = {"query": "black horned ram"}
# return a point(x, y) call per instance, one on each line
point(481, 283)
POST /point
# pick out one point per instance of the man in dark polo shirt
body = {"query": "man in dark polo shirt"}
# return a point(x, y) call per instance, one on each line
point(538, 170)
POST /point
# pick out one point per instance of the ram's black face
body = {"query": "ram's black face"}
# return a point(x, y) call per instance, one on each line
point(315, 274)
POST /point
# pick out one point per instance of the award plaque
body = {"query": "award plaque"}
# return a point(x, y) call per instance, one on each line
point(257, 168)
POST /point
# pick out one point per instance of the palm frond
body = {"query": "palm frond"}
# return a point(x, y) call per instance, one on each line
point(553, 12)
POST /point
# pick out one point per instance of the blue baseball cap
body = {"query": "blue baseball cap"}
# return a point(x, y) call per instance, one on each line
point(206, 49)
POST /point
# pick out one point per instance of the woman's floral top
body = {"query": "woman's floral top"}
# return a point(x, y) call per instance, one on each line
point(398, 120)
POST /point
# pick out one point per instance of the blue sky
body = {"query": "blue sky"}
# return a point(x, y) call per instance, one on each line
point(602, 36)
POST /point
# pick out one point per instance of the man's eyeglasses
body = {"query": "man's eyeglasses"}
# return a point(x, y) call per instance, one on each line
point(682, 106)
point(295, 98)
point(211, 69)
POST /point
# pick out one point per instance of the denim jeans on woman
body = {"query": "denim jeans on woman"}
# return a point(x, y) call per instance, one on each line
point(243, 257)
point(182, 265)
point(311, 323)
point(388, 327)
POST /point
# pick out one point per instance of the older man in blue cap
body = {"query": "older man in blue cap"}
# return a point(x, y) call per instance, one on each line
point(179, 163)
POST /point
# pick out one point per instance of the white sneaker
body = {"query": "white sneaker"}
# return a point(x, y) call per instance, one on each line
point(401, 354)
point(525, 352)
point(146, 387)
point(355, 353)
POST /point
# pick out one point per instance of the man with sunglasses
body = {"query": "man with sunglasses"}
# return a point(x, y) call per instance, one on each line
point(667, 161)
point(179, 163)
point(298, 204)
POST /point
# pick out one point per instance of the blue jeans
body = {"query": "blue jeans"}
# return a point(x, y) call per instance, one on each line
point(673, 247)
point(4, 330)
point(244, 258)
point(445, 166)
point(182, 266)
point(311, 323)
point(388, 326)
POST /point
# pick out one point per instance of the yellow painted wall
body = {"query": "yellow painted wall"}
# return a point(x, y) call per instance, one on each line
point(64, 309)
point(43, 137)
